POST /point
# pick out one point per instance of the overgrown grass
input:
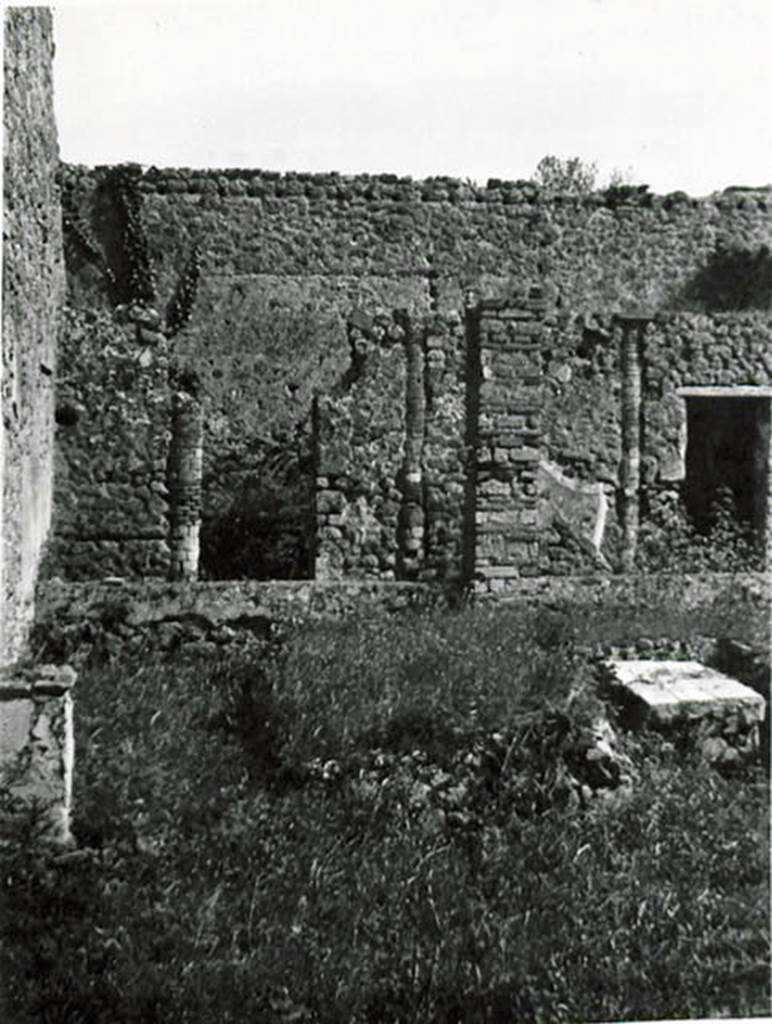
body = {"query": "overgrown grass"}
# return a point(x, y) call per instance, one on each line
point(398, 882)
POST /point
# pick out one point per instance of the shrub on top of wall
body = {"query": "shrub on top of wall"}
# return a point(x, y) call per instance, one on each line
point(734, 278)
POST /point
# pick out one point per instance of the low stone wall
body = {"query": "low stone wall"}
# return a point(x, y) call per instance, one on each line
point(656, 590)
point(202, 617)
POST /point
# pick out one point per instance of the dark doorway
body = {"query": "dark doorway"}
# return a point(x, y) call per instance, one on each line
point(727, 455)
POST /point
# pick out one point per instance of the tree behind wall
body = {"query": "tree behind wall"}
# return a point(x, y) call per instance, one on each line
point(571, 176)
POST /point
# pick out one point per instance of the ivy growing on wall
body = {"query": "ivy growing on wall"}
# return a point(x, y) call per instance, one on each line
point(119, 250)
point(735, 277)
point(180, 306)
point(80, 243)
point(139, 278)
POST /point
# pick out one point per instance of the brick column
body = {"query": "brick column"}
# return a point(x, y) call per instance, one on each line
point(410, 523)
point(184, 485)
point(508, 516)
point(630, 470)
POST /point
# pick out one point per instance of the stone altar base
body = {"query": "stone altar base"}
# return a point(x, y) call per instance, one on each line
point(723, 715)
point(37, 747)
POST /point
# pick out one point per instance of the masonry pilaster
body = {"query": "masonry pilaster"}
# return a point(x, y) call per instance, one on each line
point(508, 514)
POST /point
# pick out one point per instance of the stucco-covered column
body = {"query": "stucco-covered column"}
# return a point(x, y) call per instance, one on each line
point(184, 485)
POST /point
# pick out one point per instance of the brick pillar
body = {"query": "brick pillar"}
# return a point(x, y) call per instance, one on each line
point(184, 485)
point(508, 515)
point(410, 526)
point(630, 469)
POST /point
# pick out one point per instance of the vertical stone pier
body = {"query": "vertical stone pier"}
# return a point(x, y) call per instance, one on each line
point(184, 485)
point(37, 749)
point(411, 521)
point(359, 456)
point(631, 344)
point(508, 517)
point(36, 732)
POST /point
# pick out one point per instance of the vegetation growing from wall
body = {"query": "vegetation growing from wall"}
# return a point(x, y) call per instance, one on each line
point(266, 530)
point(734, 278)
point(670, 542)
point(572, 176)
point(180, 306)
point(117, 246)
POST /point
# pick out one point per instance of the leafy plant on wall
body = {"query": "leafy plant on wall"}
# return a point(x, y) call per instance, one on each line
point(735, 277)
point(670, 542)
point(569, 176)
point(180, 306)
point(121, 257)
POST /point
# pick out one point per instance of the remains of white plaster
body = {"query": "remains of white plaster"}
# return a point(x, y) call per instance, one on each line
point(36, 744)
point(582, 505)
point(666, 692)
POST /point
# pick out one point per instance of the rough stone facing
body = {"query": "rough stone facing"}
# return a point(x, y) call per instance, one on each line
point(359, 451)
point(33, 292)
point(286, 258)
point(111, 513)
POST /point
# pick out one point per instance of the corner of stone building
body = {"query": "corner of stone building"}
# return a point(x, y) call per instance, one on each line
point(36, 712)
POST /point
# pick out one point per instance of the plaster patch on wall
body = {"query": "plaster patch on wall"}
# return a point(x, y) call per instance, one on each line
point(37, 749)
point(582, 506)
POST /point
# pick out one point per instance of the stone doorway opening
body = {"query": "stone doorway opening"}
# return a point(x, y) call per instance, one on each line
point(728, 455)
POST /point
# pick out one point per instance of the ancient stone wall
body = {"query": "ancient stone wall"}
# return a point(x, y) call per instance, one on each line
point(36, 731)
point(183, 475)
point(360, 438)
point(111, 515)
point(441, 236)
point(706, 357)
point(509, 517)
point(80, 620)
point(33, 291)
point(286, 258)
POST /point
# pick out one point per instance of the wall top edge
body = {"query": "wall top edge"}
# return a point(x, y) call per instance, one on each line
point(332, 184)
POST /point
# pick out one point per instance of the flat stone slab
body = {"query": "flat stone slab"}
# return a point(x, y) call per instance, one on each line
point(669, 691)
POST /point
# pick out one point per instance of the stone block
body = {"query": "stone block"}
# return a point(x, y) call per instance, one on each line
point(664, 693)
point(37, 746)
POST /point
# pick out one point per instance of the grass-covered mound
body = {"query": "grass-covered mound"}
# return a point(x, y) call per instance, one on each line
point(378, 821)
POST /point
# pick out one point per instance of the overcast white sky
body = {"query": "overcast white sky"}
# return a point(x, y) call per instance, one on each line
point(680, 91)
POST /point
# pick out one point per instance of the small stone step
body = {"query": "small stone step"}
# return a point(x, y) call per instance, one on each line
point(665, 692)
